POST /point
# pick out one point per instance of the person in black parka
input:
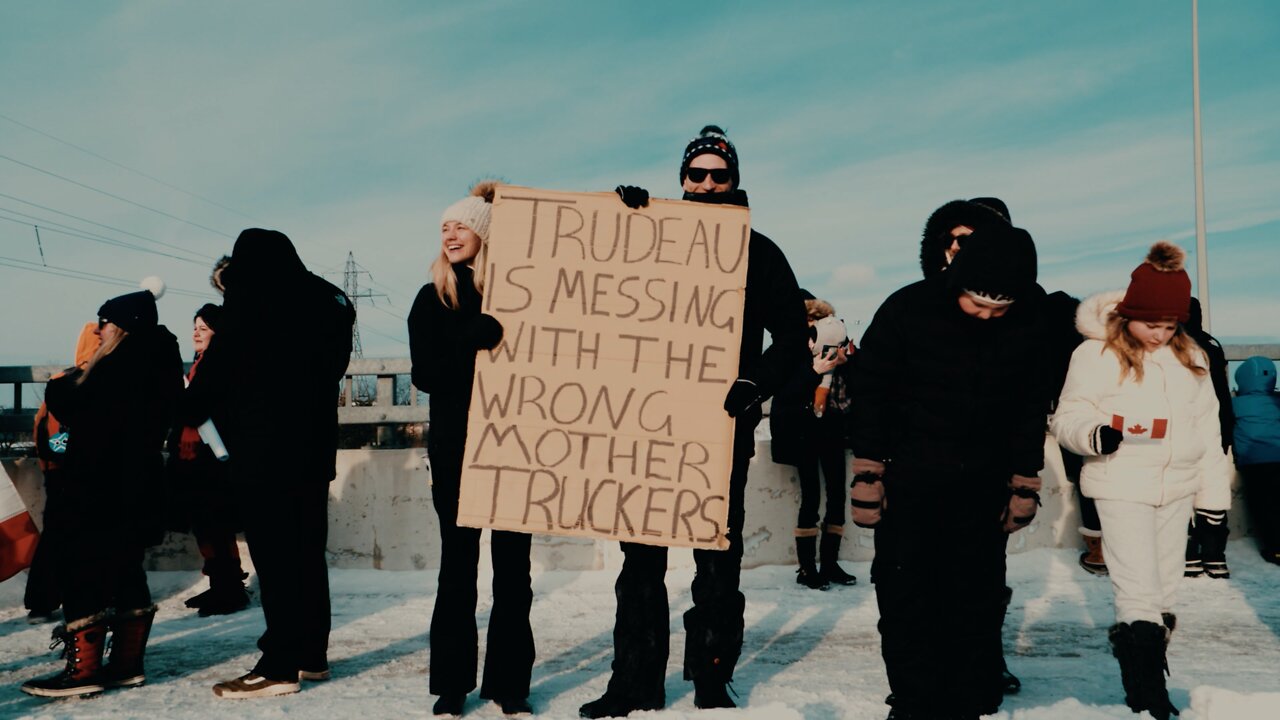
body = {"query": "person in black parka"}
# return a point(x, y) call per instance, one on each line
point(446, 330)
point(205, 506)
point(714, 625)
point(814, 442)
point(118, 409)
point(1207, 531)
point(948, 422)
point(281, 431)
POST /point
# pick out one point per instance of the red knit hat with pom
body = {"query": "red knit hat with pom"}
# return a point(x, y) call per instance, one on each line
point(1158, 288)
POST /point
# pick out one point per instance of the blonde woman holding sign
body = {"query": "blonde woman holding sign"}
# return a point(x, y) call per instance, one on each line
point(446, 330)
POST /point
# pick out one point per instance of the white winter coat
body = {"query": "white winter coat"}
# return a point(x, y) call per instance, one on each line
point(1147, 468)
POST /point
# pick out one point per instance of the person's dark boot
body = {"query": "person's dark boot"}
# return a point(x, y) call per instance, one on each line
point(83, 641)
point(806, 556)
point(1140, 649)
point(227, 595)
point(1194, 565)
point(618, 704)
point(829, 550)
point(449, 705)
point(708, 694)
point(1211, 531)
point(129, 632)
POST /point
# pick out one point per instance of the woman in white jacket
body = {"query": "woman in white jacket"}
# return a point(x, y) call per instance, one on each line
point(1139, 405)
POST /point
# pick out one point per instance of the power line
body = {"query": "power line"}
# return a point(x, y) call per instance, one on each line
point(108, 227)
point(112, 195)
point(379, 333)
point(388, 312)
point(122, 166)
point(56, 227)
point(74, 274)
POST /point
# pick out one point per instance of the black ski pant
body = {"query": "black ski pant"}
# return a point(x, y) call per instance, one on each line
point(713, 626)
point(44, 592)
point(939, 573)
point(509, 649)
point(287, 526)
point(825, 454)
point(98, 563)
point(1262, 495)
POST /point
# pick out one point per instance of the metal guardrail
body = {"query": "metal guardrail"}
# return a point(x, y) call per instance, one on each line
point(381, 408)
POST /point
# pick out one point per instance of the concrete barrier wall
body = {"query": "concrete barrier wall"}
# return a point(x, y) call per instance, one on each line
point(380, 516)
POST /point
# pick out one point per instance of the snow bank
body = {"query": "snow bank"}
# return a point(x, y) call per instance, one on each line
point(807, 654)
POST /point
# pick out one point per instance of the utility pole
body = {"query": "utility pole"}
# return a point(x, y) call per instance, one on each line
point(1202, 250)
point(363, 391)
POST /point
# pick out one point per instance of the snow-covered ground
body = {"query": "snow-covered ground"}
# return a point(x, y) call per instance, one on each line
point(807, 654)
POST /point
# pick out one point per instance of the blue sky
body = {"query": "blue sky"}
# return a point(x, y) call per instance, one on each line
point(350, 126)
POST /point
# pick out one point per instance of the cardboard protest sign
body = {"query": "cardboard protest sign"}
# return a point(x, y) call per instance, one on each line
point(601, 413)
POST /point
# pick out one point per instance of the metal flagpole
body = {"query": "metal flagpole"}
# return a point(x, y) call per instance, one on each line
point(1202, 252)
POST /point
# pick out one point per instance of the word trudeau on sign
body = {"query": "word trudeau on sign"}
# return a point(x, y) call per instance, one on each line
point(601, 412)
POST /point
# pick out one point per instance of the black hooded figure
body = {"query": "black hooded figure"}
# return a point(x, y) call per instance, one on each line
point(282, 443)
point(714, 625)
point(947, 402)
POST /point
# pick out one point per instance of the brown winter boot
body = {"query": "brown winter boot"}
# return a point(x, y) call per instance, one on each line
point(1091, 559)
point(129, 632)
point(82, 642)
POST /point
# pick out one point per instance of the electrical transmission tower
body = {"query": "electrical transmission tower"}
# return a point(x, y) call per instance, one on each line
point(363, 391)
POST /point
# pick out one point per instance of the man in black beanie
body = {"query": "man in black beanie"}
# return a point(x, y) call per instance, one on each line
point(281, 465)
point(948, 427)
point(714, 625)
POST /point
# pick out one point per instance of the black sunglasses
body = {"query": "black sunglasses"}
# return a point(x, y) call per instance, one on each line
point(719, 176)
point(102, 322)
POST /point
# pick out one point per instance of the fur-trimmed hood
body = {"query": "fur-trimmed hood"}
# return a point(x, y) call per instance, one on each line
point(933, 246)
point(1091, 316)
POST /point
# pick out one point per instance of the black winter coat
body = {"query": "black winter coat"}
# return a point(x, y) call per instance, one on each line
point(773, 302)
point(116, 421)
point(270, 377)
point(933, 388)
point(443, 343)
point(792, 425)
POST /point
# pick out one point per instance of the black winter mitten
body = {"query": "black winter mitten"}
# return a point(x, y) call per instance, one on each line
point(741, 396)
point(632, 196)
point(483, 332)
point(1107, 439)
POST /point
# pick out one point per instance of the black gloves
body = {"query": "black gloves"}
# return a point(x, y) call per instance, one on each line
point(866, 499)
point(741, 396)
point(1024, 500)
point(1106, 439)
point(632, 196)
point(483, 332)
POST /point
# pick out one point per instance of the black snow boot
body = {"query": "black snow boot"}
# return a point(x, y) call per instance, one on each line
point(708, 694)
point(830, 552)
point(806, 555)
point(227, 594)
point(1194, 566)
point(1140, 649)
point(1211, 532)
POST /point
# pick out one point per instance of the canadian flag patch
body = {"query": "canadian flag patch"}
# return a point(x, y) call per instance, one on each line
point(1141, 429)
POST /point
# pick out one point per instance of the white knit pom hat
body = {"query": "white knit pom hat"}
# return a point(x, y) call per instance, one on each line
point(474, 210)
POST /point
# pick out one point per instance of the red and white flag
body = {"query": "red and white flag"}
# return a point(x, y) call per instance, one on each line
point(1145, 429)
point(18, 534)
